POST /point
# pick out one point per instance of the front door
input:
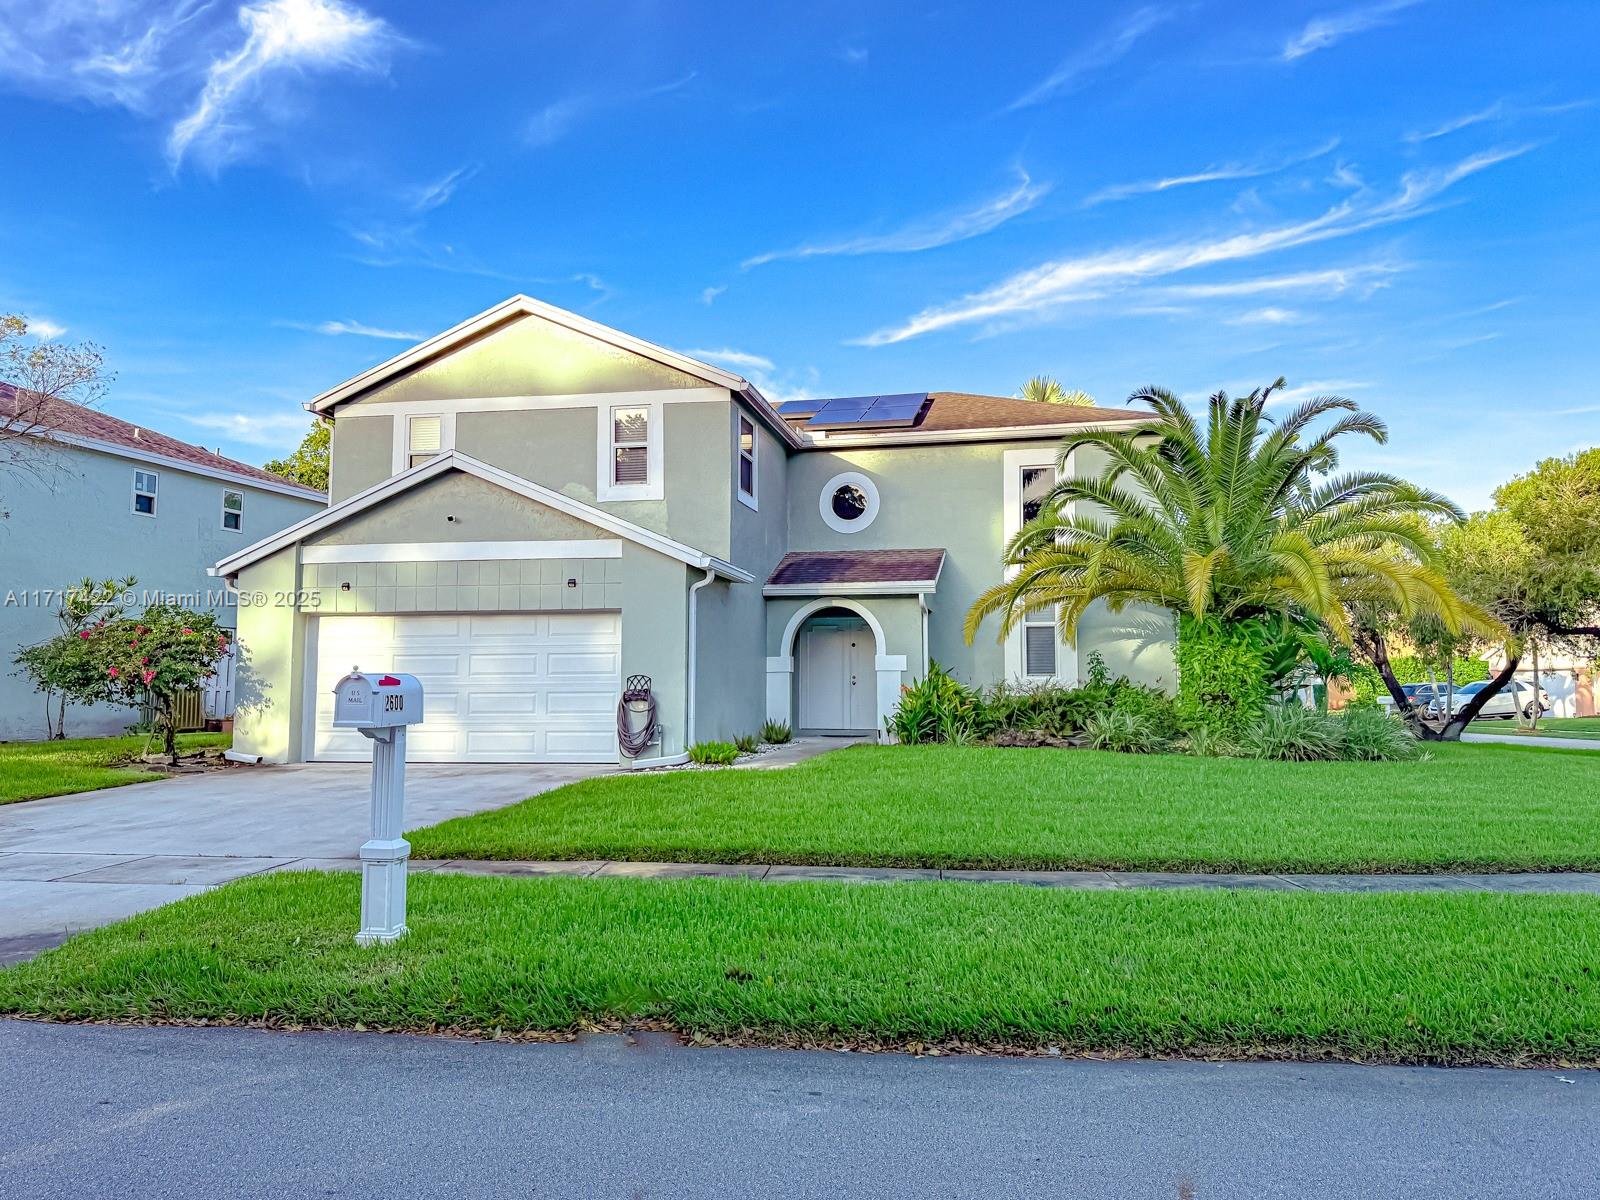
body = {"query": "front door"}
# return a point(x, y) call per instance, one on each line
point(834, 660)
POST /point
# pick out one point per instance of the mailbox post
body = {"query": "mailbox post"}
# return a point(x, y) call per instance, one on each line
point(380, 707)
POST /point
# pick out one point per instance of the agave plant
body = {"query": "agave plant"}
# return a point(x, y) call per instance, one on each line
point(1236, 525)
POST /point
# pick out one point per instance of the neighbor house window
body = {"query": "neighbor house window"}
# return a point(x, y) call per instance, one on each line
point(144, 492)
point(1039, 627)
point(630, 446)
point(233, 511)
point(747, 457)
point(424, 439)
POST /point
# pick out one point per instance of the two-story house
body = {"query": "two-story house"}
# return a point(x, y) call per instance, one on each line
point(95, 496)
point(531, 508)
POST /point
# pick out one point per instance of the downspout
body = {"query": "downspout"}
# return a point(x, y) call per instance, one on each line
point(694, 656)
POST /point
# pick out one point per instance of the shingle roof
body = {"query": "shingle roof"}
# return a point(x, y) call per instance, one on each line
point(75, 420)
point(965, 410)
point(820, 567)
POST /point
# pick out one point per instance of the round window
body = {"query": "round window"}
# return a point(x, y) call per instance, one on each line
point(849, 502)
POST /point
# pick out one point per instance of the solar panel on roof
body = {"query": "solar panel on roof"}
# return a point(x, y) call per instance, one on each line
point(869, 412)
point(800, 408)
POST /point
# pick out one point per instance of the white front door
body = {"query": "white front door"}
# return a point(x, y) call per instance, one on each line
point(534, 687)
point(837, 677)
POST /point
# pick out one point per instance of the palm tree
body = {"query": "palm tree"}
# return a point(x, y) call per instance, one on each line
point(1239, 528)
point(1045, 389)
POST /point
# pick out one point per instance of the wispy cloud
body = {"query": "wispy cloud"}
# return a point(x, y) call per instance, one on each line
point(733, 358)
point(1112, 45)
point(280, 36)
point(855, 56)
point(1332, 28)
point(356, 328)
point(426, 197)
point(707, 295)
point(775, 385)
point(272, 430)
point(1268, 316)
point(1500, 110)
point(1065, 281)
point(1332, 281)
point(45, 329)
point(926, 233)
point(1307, 391)
point(1122, 191)
point(560, 117)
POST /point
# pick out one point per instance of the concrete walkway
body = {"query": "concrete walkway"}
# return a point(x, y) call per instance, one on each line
point(1536, 740)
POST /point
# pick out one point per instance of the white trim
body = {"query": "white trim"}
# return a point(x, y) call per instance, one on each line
point(400, 432)
point(566, 400)
point(825, 502)
point(154, 493)
point(910, 587)
point(384, 552)
point(780, 669)
point(223, 520)
point(178, 464)
point(1067, 657)
point(655, 485)
point(911, 437)
point(454, 460)
point(749, 500)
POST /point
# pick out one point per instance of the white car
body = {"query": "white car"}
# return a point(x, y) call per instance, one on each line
point(1515, 697)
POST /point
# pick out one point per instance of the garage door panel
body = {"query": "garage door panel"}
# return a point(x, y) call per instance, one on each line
point(497, 688)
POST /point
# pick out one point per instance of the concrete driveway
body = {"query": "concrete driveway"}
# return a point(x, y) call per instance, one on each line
point(76, 862)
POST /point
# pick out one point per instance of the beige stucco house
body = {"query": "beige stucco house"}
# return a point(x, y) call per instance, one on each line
point(530, 508)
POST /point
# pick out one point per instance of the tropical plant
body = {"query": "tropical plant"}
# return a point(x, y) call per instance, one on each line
point(1368, 734)
point(938, 708)
point(1240, 526)
point(1044, 389)
point(1292, 733)
point(713, 754)
point(1125, 731)
point(776, 733)
point(746, 743)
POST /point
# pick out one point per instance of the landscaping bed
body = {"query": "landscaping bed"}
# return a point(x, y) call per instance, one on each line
point(1468, 808)
point(1396, 978)
point(35, 770)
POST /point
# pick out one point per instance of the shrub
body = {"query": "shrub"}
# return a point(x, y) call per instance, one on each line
point(713, 754)
point(776, 733)
point(1372, 735)
point(939, 708)
point(746, 743)
point(1293, 733)
point(1048, 708)
point(1151, 705)
point(1222, 675)
point(1207, 743)
point(1127, 732)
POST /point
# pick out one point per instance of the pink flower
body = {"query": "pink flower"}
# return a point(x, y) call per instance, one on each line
point(85, 634)
point(147, 677)
point(113, 672)
point(138, 628)
point(187, 631)
point(144, 662)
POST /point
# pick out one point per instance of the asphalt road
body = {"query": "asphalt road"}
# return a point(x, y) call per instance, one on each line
point(218, 1113)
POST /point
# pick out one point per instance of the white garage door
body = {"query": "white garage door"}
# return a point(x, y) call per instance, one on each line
point(527, 688)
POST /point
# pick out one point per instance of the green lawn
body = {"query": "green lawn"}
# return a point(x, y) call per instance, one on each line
point(33, 770)
point(1473, 807)
point(1579, 727)
point(1441, 978)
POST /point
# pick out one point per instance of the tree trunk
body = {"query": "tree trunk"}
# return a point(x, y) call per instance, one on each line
point(61, 716)
point(1457, 725)
point(1533, 721)
point(169, 720)
point(1450, 687)
point(1373, 644)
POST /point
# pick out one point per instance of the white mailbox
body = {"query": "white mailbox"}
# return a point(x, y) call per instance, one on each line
point(363, 700)
point(380, 706)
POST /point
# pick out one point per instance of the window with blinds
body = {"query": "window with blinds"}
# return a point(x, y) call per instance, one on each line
point(424, 439)
point(1039, 641)
point(630, 445)
point(747, 457)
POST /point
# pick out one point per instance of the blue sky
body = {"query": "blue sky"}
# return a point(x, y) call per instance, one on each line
point(1392, 199)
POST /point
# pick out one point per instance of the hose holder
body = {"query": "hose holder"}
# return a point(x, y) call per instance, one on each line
point(637, 698)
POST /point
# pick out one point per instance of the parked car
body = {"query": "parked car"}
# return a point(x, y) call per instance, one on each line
point(1515, 697)
point(1423, 694)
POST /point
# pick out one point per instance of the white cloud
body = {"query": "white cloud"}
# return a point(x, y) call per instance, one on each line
point(1322, 32)
point(428, 196)
point(341, 328)
point(1122, 191)
point(733, 358)
point(1109, 47)
point(776, 386)
point(707, 295)
point(1500, 110)
point(558, 118)
point(280, 35)
point(1065, 281)
point(855, 56)
point(45, 329)
point(1268, 316)
point(272, 430)
point(927, 233)
point(1306, 391)
point(1333, 281)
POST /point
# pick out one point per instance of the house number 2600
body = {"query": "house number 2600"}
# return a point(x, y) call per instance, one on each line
point(394, 703)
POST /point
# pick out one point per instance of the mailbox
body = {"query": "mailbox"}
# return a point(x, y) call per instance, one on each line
point(363, 700)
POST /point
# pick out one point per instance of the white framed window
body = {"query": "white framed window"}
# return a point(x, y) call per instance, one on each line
point(1034, 649)
point(631, 463)
point(424, 439)
point(848, 502)
point(745, 448)
point(144, 493)
point(1039, 638)
point(233, 511)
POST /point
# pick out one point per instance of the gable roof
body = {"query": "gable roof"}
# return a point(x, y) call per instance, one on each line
point(78, 425)
point(526, 306)
point(967, 410)
point(454, 460)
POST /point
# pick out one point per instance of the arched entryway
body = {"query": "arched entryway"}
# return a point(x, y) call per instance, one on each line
point(833, 675)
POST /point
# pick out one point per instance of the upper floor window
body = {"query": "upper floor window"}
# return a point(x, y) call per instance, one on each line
point(144, 493)
point(424, 439)
point(747, 459)
point(849, 502)
point(1039, 641)
point(233, 511)
point(630, 446)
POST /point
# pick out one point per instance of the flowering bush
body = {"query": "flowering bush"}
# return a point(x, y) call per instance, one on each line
point(165, 651)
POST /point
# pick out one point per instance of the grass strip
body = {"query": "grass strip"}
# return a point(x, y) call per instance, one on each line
point(1423, 978)
point(1471, 808)
point(36, 770)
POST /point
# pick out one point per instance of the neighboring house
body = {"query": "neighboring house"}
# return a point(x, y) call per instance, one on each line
point(1568, 678)
point(101, 497)
point(529, 508)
